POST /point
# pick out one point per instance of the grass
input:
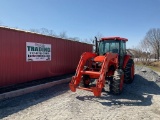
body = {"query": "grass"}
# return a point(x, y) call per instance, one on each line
point(155, 66)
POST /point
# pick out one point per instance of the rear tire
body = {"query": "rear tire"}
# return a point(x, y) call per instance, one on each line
point(116, 84)
point(129, 72)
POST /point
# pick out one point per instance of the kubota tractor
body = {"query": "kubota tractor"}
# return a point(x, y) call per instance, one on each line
point(109, 64)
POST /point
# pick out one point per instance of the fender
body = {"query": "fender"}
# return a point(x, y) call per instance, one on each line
point(126, 58)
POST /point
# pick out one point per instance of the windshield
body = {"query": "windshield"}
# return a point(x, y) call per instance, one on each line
point(108, 46)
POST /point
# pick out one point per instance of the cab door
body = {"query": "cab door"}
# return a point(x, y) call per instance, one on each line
point(122, 53)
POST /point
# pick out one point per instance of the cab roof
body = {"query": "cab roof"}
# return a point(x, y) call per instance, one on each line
point(115, 38)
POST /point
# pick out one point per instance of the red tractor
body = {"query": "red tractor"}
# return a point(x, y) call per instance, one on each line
point(109, 64)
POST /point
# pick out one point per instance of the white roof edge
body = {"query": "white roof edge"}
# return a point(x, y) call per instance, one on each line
point(40, 34)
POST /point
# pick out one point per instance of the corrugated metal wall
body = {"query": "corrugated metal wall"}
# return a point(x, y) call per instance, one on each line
point(14, 68)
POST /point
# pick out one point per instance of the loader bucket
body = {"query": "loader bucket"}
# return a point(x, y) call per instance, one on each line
point(72, 87)
point(96, 91)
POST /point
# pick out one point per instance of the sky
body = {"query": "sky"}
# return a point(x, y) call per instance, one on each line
point(84, 18)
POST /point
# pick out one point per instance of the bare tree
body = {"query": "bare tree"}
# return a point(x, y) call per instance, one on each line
point(146, 51)
point(89, 41)
point(99, 36)
point(141, 53)
point(34, 30)
point(63, 34)
point(48, 32)
point(74, 38)
point(92, 39)
point(43, 31)
point(137, 53)
point(152, 38)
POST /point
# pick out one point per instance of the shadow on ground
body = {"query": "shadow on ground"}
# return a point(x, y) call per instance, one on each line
point(14, 105)
point(139, 93)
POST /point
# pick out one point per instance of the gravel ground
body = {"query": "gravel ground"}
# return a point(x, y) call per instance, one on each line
point(139, 100)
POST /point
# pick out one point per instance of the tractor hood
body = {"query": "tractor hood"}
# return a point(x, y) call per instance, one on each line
point(99, 58)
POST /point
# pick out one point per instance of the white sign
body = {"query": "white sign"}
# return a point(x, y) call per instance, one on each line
point(38, 52)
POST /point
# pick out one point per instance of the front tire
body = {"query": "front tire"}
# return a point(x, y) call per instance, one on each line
point(116, 84)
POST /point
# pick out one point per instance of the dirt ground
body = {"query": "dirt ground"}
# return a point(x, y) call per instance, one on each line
point(139, 100)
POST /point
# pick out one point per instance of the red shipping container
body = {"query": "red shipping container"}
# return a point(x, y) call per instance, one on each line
point(14, 67)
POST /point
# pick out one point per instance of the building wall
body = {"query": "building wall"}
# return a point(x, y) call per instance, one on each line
point(14, 68)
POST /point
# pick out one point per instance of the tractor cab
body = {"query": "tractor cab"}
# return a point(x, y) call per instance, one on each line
point(112, 45)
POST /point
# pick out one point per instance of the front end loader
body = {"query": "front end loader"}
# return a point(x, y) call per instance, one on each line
point(109, 64)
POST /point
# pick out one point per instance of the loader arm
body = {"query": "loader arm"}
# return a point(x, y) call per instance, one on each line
point(104, 69)
point(109, 57)
point(76, 79)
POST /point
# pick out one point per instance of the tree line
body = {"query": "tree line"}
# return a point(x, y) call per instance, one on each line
point(64, 35)
point(48, 32)
point(149, 48)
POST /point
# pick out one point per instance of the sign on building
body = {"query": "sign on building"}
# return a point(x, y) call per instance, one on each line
point(38, 52)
